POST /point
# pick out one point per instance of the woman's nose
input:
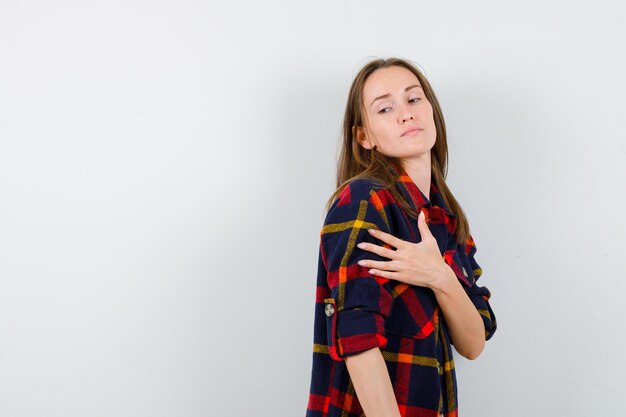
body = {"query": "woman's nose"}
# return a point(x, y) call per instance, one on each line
point(405, 115)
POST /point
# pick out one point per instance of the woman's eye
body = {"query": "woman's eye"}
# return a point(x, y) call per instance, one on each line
point(414, 100)
point(385, 110)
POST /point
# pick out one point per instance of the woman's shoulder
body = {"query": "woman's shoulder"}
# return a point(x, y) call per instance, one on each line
point(361, 199)
point(359, 189)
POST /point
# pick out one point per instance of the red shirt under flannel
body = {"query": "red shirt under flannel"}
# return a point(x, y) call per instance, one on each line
point(356, 311)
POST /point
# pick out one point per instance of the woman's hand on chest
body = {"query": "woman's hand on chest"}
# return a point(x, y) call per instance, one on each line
point(412, 263)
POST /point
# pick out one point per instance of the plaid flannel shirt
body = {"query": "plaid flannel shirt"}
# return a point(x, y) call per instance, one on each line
point(356, 311)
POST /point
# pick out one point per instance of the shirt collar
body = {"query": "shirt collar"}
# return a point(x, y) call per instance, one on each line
point(416, 195)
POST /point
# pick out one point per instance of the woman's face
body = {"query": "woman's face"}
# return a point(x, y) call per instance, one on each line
point(398, 117)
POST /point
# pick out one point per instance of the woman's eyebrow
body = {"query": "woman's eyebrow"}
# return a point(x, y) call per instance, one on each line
point(387, 95)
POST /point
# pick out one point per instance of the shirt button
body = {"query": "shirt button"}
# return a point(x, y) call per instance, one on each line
point(464, 272)
point(329, 309)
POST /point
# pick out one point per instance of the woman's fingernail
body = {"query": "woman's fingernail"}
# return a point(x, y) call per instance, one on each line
point(360, 262)
point(361, 245)
point(372, 231)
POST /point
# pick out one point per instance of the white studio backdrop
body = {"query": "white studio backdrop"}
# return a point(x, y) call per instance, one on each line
point(164, 167)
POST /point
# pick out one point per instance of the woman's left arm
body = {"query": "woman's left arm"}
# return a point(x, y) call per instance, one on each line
point(464, 322)
point(421, 264)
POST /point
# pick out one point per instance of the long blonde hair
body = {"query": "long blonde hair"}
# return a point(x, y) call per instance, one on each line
point(357, 162)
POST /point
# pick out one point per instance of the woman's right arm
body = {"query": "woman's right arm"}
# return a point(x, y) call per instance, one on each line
point(357, 303)
point(372, 384)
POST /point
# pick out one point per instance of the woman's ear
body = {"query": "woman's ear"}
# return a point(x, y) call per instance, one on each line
point(359, 133)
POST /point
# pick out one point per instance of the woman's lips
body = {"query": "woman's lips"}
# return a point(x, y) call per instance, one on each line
point(412, 131)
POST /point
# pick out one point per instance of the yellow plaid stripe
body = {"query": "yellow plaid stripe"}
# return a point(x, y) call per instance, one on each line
point(399, 357)
point(408, 358)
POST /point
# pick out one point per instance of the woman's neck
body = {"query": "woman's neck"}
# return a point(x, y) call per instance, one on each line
point(419, 169)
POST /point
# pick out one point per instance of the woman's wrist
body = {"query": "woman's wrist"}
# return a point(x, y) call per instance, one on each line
point(443, 279)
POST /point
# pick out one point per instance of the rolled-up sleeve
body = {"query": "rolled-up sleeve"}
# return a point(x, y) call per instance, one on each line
point(359, 302)
point(479, 295)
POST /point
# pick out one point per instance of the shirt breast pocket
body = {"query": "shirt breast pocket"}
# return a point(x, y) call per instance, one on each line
point(413, 313)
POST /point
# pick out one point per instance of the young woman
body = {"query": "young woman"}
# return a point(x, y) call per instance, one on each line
point(396, 284)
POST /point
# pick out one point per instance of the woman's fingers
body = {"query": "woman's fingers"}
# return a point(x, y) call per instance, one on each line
point(378, 265)
point(423, 226)
point(379, 250)
point(386, 274)
point(386, 237)
point(396, 276)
